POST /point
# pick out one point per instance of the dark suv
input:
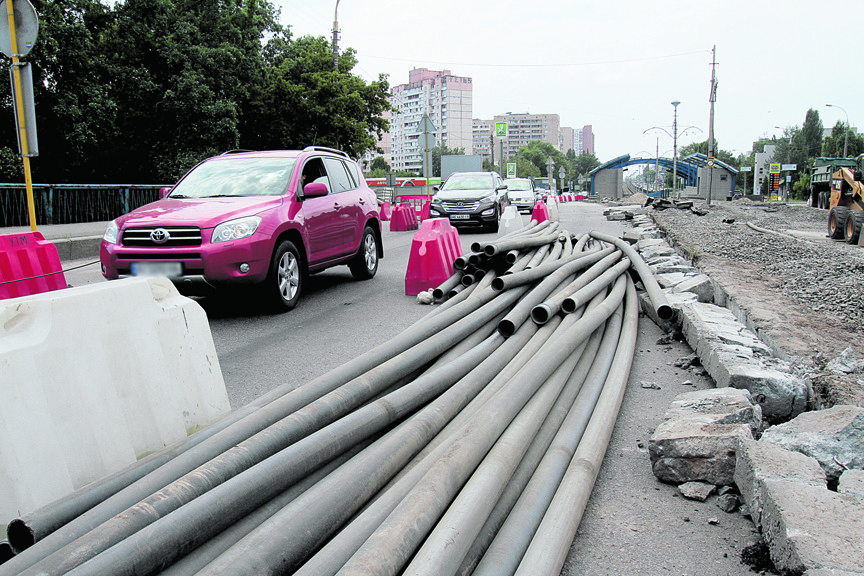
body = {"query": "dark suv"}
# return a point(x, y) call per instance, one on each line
point(471, 199)
point(262, 219)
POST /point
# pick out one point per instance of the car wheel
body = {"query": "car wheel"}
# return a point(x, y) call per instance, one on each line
point(285, 280)
point(365, 263)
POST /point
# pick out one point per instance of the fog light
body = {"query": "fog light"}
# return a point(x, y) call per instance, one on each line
point(244, 267)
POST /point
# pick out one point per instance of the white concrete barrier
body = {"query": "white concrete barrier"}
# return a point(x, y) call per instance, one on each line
point(511, 220)
point(93, 378)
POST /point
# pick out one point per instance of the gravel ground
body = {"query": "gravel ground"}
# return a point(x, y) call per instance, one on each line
point(800, 289)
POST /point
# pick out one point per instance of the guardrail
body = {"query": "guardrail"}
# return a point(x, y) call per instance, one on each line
point(73, 203)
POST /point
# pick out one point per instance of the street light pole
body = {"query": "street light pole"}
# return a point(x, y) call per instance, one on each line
point(846, 139)
point(336, 37)
point(675, 104)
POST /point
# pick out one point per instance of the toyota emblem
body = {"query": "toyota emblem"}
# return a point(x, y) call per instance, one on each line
point(160, 236)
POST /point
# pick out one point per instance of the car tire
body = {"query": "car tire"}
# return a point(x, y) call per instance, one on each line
point(364, 265)
point(284, 281)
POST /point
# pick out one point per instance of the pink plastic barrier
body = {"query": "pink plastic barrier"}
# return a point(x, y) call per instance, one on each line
point(579, 197)
point(424, 212)
point(540, 213)
point(30, 256)
point(403, 218)
point(434, 248)
point(416, 201)
point(386, 211)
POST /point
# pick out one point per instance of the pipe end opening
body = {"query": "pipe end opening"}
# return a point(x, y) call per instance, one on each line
point(506, 328)
point(498, 284)
point(540, 314)
point(20, 535)
point(568, 305)
point(665, 312)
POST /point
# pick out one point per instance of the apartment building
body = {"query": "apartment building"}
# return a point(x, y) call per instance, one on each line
point(584, 140)
point(525, 128)
point(447, 101)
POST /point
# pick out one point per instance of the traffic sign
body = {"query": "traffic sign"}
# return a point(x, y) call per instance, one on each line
point(501, 129)
point(511, 170)
point(774, 168)
point(26, 27)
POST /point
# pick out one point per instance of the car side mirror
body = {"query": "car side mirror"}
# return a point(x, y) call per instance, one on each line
point(315, 190)
point(163, 192)
point(502, 187)
point(435, 188)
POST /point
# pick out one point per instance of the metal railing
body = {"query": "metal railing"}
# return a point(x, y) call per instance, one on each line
point(73, 203)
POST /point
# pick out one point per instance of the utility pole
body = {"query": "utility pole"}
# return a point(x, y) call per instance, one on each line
point(675, 104)
point(712, 98)
point(336, 37)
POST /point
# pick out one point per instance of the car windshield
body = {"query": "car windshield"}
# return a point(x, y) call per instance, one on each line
point(468, 182)
point(237, 177)
point(541, 182)
point(518, 185)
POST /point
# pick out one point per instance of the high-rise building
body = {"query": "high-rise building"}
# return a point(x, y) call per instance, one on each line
point(481, 132)
point(447, 101)
point(525, 128)
point(584, 140)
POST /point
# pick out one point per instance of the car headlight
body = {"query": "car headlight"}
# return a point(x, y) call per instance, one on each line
point(491, 199)
point(111, 232)
point(236, 229)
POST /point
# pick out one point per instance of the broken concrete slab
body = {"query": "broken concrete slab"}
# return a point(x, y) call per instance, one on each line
point(685, 450)
point(717, 405)
point(758, 462)
point(808, 527)
point(834, 437)
point(700, 285)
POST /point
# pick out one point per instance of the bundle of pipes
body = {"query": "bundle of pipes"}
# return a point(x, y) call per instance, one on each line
point(420, 456)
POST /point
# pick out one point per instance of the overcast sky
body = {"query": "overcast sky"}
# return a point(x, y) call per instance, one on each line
point(618, 65)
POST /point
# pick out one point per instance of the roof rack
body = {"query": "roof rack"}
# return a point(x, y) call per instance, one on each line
point(324, 149)
point(236, 151)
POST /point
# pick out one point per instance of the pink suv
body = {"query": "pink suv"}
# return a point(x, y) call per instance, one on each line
point(263, 219)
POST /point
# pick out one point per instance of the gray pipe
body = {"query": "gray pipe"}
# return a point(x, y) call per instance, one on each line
point(343, 545)
point(509, 545)
point(446, 546)
point(658, 299)
point(541, 313)
point(548, 549)
point(440, 291)
point(585, 293)
point(396, 540)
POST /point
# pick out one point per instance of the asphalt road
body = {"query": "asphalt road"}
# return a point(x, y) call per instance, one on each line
point(633, 525)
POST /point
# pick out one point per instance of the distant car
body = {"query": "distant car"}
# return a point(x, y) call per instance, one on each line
point(252, 219)
point(471, 199)
point(522, 193)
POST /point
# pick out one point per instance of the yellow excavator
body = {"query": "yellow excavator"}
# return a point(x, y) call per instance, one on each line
point(846, 213)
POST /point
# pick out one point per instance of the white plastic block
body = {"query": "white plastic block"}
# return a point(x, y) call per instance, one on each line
point(93, 378)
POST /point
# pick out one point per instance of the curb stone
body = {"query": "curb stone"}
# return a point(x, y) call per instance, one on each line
point(809, 529)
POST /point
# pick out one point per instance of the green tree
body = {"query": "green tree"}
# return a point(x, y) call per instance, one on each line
point(832, 146)
point(140, 90)
point(378, 163)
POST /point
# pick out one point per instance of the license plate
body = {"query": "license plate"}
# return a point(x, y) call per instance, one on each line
point(169, 269)
point(460, 216)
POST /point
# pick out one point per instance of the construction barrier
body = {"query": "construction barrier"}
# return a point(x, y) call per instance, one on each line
point(132, 369)
point(540, 213)
point(403, 218)
point(511, 221)
point(29, 264)
point(434, 248)
point(419, 202)
point(386, 211)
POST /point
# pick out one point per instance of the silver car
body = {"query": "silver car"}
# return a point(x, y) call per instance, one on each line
point(522, 194)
